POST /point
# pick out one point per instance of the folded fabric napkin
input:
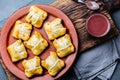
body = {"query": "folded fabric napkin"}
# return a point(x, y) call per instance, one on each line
point(99, 61)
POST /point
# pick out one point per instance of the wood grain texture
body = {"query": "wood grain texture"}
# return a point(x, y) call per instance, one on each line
point(78, 13)
point(0, 30)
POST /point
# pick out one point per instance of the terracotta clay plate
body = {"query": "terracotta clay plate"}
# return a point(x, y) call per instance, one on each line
point(7, 39)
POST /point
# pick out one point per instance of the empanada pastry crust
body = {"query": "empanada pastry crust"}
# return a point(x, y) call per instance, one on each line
point(54, 29)
point(37, 44)
point(53, 64)
point(32, 67)
point(63, 45)
point(22, 30)
point(17, 51)
point(36, 16)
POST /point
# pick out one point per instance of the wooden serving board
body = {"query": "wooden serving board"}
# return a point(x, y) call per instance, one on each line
point(78, 13)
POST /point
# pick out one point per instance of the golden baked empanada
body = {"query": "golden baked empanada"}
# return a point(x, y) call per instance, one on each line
point(32, 67)
point(36, 16)
point(53, 64)
point(37, 44)
point(22, 30)
point(54, 29)
point(63, 45)
point(17, 51)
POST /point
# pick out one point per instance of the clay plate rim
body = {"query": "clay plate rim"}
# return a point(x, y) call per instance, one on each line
point(7, 27)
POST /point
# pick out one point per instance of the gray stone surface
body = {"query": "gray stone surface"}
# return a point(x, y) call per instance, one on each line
point(9, 7)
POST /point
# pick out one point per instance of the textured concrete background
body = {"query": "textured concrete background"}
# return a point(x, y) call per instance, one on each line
point(8, 7)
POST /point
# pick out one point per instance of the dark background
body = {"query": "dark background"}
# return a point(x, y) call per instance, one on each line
point(7, 7)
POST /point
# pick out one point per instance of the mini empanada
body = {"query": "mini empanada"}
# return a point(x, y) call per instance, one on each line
point(37, 44)
point(17, 51)
point(63, 46)
point(54, 29)
point(32, 67)
point(53, 64)
point(36, 16)
point(22, 30)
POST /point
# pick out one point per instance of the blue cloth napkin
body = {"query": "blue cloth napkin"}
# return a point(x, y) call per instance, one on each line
point(100, 61)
